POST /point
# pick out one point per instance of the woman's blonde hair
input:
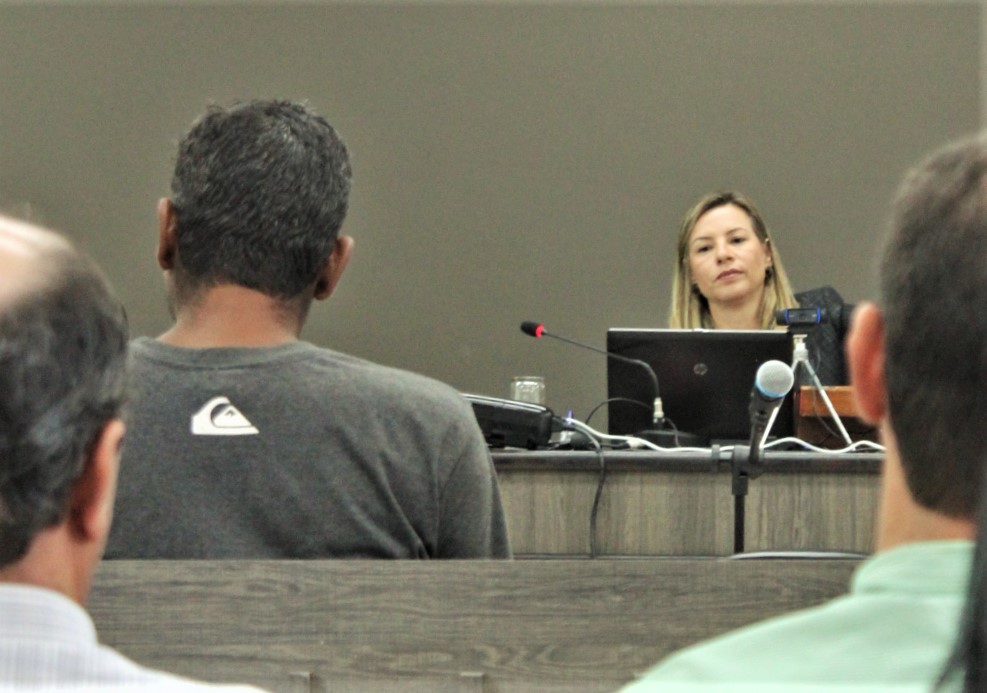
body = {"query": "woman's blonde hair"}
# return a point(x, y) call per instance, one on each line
point(690, 309)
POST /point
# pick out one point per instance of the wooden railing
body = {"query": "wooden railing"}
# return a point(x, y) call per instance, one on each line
point(492, 626)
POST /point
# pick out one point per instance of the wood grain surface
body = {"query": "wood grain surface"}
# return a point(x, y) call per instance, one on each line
point(535, 625)
point(676, 506)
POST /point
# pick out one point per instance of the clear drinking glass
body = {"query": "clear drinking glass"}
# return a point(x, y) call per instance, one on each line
point(528, 388)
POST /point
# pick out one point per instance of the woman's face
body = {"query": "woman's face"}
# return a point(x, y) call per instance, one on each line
point(727, 260)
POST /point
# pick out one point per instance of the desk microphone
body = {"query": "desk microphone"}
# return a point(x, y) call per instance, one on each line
point(537, 330)
point(773, 381)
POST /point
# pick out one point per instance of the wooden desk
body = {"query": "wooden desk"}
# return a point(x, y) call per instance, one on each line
point(681, 504)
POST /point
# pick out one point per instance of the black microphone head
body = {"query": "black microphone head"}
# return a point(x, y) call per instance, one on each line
point(530, 327)
point(774, 379)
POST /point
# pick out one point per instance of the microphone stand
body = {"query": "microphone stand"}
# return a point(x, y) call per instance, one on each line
point(746, 463)
point(657, 434)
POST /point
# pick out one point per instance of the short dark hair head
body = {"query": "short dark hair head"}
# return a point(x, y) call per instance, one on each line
point(260, 191)
point(933, 293)
point(62, 379)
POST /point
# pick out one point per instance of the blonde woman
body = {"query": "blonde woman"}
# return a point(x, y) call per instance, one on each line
point(729, 275)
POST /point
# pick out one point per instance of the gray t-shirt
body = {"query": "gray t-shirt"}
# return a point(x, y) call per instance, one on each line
point(296, 451)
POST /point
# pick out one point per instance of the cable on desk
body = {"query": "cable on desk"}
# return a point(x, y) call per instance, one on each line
point(853, 447)
point(605, 402)
point(599, 438)
point(601, 480)
point(593, 437)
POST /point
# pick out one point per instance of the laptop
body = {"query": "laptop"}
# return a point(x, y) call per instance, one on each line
point(704, 377)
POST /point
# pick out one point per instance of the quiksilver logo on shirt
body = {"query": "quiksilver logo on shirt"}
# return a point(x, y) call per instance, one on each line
point(218, 417)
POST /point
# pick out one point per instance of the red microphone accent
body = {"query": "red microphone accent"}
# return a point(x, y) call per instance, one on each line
point(532, 328)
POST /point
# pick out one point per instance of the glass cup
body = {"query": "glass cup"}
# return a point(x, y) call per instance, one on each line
point(528, 388)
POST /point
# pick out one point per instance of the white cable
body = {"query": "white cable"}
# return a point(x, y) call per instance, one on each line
point(630, 441)
point(800, 355)
point(853, 447)
point(598, 437)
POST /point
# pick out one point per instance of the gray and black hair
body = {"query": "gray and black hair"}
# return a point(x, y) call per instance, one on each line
point(933, 292)
point(260, 191)
point(62, 379)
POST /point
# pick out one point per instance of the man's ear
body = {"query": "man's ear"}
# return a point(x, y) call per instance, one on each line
point(91, 509)
point(167, 234)
point(865, 356)
point(334, 267)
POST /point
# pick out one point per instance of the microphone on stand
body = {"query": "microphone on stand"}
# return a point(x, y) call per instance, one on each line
point(773, 381)
point(657, 435)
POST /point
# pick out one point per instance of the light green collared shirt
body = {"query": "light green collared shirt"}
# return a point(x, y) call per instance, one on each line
point(892, 632)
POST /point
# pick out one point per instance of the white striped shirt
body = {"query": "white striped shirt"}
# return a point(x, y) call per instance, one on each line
point(49, 643)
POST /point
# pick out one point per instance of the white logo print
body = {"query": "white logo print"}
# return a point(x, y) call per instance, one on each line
point(220, 418)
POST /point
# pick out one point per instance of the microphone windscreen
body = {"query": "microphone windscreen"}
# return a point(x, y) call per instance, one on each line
point(530, 327)
point(774, 379)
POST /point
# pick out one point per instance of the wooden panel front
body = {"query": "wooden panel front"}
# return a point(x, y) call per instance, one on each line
point(491, 626)
point(669, 509)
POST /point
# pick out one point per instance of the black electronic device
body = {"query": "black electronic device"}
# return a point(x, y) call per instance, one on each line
point(799, 317)
point(509, 423)
point(705, 377)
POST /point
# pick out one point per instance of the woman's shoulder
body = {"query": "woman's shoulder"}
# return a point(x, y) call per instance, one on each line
point(836, 311)
point(821, 296)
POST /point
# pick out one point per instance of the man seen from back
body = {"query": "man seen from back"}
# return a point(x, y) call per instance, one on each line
point(247, 442)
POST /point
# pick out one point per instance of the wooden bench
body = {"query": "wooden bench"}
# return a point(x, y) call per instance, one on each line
point(491, 626)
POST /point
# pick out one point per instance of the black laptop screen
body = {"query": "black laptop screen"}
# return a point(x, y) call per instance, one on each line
point(705, 379)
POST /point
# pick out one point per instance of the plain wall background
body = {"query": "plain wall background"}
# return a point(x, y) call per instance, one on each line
point(513, 160)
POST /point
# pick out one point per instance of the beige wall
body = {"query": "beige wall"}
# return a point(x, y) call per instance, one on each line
point(513, 160)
